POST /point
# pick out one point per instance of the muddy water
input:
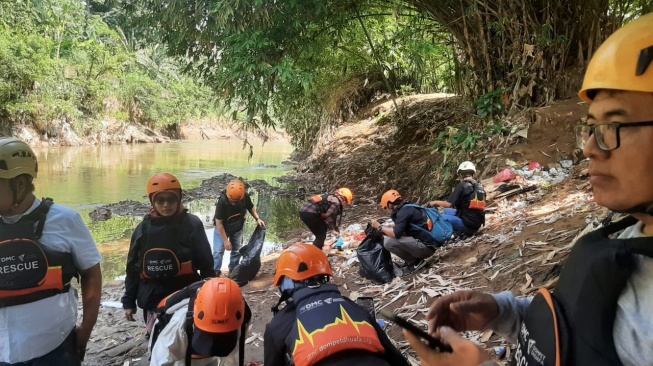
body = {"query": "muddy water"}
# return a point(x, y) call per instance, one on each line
point(84, 178)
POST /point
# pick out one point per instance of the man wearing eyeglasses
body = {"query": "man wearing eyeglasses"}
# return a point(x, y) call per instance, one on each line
point(600, 312)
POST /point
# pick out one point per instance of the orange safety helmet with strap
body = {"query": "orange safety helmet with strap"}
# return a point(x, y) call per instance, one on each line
point(236, 190)
point(390, 197)
point(163, 182)
point(347, 194)
point(301, 262)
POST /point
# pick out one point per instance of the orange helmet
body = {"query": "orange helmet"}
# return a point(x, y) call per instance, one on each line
point(390, 197)
point(300, 262)
point(346, 192)
point(162, 182)
point(219, 306)
point(236, 190)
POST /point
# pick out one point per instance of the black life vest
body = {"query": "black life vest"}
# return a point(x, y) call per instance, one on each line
point(327, 323)
point(30, 271)
point(574, 324)
point(166, 252)
point(477, 196)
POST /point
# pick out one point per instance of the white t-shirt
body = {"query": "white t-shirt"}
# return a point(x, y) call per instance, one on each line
point(34, 329)
point(633, 324)
point(172, 342)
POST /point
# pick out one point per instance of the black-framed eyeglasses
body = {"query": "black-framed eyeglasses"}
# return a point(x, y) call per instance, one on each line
point(163, 200)
point(606, 134)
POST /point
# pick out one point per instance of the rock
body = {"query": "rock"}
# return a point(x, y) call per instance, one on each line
point(472, 260)
point(100, 214)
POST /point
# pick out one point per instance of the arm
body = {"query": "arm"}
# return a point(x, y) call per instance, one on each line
point(511, 314)
point(331, 215)
point(256, 217)
point(202, 257)
point(273, 353)
point(132, 273)
point(444, 204)
point(91, 283)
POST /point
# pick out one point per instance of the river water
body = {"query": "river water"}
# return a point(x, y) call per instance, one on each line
point(84, 178)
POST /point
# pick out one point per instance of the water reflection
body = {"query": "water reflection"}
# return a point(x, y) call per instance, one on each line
point(85, 177)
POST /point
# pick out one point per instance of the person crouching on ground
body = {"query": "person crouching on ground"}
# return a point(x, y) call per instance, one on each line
point(167, 250)
point(43, 246)
point(200, 325)
point(465, 207)
point(405, 239)
point(600, 311)
point(323, 213)
point(319, 326)
point(230, 214)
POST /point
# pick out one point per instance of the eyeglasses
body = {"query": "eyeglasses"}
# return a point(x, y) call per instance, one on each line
point(163, 200)
point(606, 135)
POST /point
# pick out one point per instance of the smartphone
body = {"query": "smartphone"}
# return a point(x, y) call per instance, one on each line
point(434, 343)
point(368, 304)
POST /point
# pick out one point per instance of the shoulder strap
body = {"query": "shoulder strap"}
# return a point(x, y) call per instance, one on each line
point(618, 226)
point(43, 209)
point(188, 327)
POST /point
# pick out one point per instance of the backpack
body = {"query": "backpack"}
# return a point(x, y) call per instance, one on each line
point(477, 197)
point(439, 229)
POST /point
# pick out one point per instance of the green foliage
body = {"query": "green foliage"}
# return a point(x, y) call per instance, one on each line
point(491, 105)
point(453, 139)
point(59, 63)
point(301, 64)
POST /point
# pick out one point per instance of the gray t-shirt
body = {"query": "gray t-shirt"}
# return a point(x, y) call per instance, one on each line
point(633, 324)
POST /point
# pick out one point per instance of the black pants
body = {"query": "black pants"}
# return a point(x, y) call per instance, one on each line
point(66, 354)
point(317, 226)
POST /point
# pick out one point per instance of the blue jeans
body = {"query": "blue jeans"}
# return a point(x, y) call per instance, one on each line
point(65, 354)
point(236, 240)
point(456, 222)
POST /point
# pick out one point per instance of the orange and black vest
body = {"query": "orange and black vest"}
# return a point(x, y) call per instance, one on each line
point(166, 252)
point(574, 324)
point(327, 324)
point(321, 201)
point(30, 271)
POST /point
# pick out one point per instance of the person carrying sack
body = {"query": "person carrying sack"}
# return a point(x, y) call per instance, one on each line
point(230, 214)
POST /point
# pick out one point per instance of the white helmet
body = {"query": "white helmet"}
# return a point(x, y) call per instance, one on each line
point(467, 165)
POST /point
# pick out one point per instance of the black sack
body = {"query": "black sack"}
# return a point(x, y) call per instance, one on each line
point(375, 261)
point(250, 261)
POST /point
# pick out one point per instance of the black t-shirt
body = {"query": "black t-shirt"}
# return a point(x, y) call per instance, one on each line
point(460, 198)
point(404, 216)
point(230, 214)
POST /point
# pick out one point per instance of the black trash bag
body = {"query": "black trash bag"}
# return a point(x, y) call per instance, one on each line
point(250, 261)
point(375, 261)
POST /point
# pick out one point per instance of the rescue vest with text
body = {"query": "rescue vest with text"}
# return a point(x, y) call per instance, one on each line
point(30, 271)
point(166, 253)
point(574, 324)
point(327, 324)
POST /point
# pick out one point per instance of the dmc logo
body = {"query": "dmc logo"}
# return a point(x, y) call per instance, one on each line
point(328, 301)
point(218, 321)
point(22, 257)
point(310, 306)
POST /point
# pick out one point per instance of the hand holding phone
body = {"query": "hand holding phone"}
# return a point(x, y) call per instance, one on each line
point(434, 343)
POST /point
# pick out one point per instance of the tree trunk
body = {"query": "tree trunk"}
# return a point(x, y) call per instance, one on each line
point(526, 47)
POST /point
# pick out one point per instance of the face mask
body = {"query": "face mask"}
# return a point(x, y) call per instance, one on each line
point(287, 284)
